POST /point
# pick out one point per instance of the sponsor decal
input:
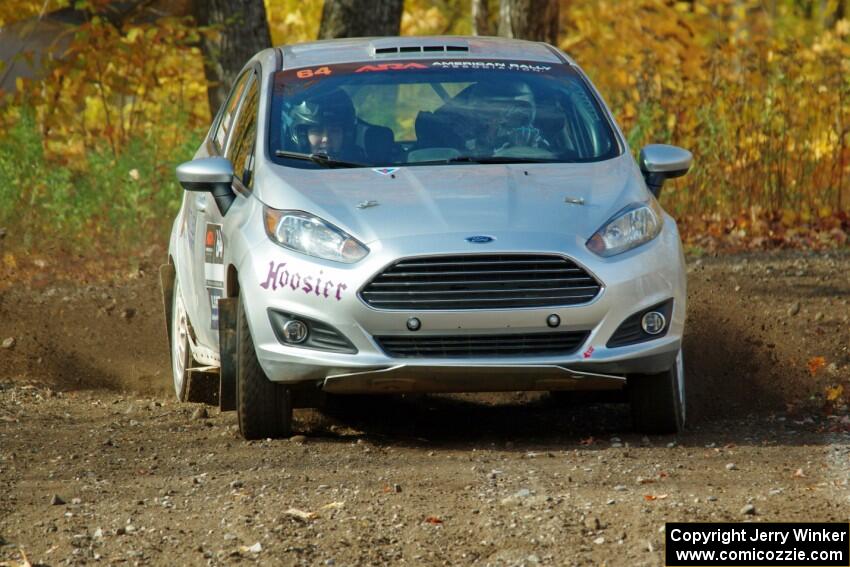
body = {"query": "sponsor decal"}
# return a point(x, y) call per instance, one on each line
point(310, 73)
point(292, 81)
point(282, 277)
point(214, 256)
point(385, 170)
point(390, 67)
point(214, 294)
point(213, 268)
point(492, 65)
point(588, 353)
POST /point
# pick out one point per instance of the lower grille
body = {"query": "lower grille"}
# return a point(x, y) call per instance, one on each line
point(458, 346)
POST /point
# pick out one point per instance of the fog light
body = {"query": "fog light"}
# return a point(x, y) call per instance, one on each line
point(295, 331)
point(413, 324)
point(653, 323)
point(553, 320)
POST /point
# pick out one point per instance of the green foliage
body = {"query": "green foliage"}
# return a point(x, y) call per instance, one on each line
point(30, 182)
point(121, 200)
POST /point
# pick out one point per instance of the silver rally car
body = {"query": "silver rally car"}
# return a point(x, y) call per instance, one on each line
point(441, 214)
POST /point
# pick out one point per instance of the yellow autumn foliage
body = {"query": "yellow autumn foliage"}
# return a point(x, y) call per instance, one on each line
point(760, 92)
point(762, 99)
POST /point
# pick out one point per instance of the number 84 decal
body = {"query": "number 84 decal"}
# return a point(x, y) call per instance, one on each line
point(307, 73)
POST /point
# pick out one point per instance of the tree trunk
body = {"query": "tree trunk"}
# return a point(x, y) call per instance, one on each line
point(481, 18)
point(237, 29)
point(842, 11)
point(360, 18)
point(536, 20)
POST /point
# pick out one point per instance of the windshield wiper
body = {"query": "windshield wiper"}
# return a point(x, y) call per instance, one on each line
point(484, 159)
point(499, 159)
point(321, 159)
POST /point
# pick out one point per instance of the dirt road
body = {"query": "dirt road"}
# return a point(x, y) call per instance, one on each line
point(98, 464)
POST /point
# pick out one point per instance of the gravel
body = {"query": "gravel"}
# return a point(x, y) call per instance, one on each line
point(162, 493)
point(200, 413)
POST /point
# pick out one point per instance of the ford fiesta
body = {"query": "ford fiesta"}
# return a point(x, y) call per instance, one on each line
point(438, 214)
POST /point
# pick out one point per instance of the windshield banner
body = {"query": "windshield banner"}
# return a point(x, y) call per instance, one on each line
point(305, 77)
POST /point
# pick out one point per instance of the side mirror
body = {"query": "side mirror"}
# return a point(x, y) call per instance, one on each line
point(660, 162)
point(212, 175)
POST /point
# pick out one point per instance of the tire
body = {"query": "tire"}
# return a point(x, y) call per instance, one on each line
point(189, 386)
point(658, 400)
point(263, 408)
point(181, 353)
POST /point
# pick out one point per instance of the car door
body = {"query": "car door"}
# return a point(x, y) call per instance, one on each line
point(236, 144)
point(195, 204)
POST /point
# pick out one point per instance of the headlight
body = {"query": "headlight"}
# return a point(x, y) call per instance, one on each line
point(631, 227)
point(311, 235)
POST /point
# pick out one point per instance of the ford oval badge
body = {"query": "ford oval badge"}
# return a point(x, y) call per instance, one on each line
point(480, 239)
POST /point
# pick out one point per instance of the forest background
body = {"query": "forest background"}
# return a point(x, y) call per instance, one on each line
point(759, 91)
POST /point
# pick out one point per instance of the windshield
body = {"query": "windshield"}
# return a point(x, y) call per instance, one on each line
point(427, 112)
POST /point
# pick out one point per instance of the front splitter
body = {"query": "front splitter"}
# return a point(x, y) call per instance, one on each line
point(454, 379)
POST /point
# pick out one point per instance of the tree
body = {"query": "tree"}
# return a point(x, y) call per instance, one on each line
point(234, 31)
point(481, 18)
point(360, 18)
point(536, 20)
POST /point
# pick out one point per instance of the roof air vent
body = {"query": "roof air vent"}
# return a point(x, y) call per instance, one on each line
point(392, 50)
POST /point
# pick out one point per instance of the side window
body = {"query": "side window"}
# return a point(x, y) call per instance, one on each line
point(225, 123)
point(240, 149)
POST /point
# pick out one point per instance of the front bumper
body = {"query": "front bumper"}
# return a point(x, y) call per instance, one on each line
point(327, 292)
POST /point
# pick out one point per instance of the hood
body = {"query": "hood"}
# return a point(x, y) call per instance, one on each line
point(464, 198)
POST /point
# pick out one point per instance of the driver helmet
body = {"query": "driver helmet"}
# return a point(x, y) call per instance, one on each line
point(510, 111)
point(332, 109)
point(510, 102)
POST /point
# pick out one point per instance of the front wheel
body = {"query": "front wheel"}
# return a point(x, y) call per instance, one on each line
point(264, 409)
point(658, 400)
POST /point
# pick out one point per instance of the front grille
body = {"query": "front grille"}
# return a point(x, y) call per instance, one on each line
point(491, 281)
point(455, 346)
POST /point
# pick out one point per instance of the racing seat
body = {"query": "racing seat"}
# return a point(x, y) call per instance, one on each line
point(379, 143)
point(435, 131)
